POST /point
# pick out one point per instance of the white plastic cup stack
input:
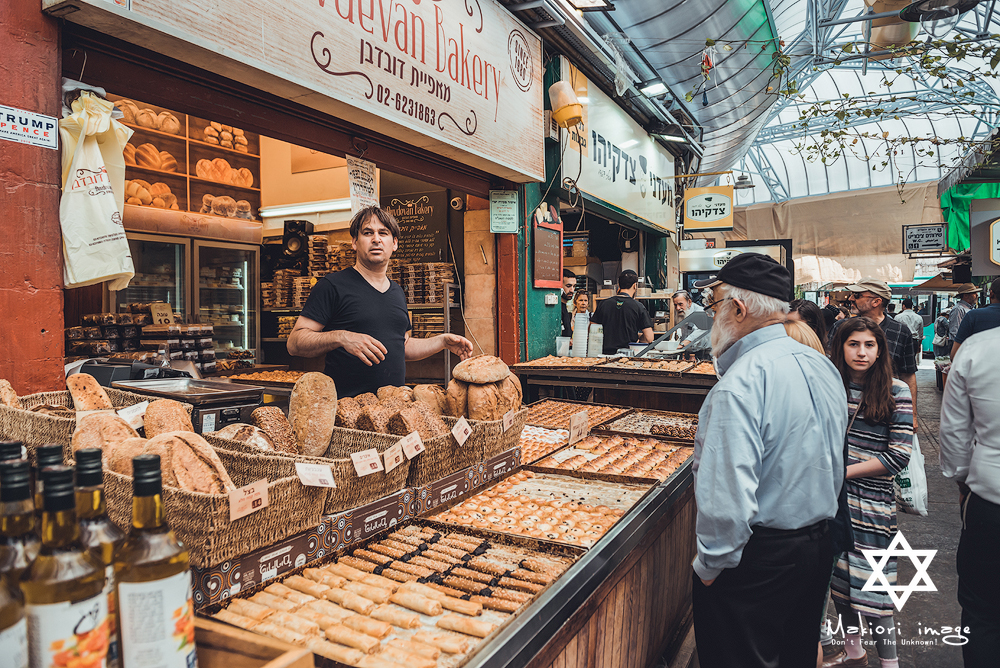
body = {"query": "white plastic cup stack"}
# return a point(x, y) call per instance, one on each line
point(595, 342)
point(580, 322)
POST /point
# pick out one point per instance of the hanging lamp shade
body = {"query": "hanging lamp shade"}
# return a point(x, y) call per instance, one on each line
point(566, 108)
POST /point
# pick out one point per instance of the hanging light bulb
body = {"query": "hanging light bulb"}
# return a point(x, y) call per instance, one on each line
point(937, 17)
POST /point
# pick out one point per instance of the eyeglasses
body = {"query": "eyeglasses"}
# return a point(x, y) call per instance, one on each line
point(711, 306)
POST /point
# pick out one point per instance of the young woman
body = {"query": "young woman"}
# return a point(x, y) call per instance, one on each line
point(809, 313)
point(879, 438)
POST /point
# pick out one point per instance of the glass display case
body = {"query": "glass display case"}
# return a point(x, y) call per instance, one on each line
point(226, 284)
point(161, 266)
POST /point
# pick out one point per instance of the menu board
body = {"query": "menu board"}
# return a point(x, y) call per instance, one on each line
point(547, 248)
point(423, 226)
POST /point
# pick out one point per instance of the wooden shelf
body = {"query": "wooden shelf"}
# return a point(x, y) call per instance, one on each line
point(180, 175)
point(152, 131)
point(223, 185)
point(215, 147)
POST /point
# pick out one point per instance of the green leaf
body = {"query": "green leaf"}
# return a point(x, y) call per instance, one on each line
point(848, 48)
point(709, 42)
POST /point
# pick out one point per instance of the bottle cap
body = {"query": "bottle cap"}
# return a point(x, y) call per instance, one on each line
point(89, 472)
point(15, 480)
point(48, 455)
point(58, 493)
point(10, 450)
point(146, 480)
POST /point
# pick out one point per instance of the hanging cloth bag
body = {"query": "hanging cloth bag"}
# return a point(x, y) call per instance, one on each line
point(95, 249)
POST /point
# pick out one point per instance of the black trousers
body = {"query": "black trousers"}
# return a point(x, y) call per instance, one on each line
point(979, 582)
point(766, 612)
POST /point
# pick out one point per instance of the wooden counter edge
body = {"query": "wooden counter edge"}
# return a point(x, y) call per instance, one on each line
point(245, 649)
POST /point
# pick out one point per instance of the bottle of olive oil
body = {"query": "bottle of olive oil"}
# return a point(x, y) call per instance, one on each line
point(13, 625)
point(153, 576)
point(45, 456)
point(63, 589)
point(98, 533)
point(19, 543)
point(11, 450)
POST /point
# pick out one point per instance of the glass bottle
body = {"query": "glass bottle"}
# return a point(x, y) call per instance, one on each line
point(63, 588)
point(153, 576)
point(13, 625)
point(98, 533)
point(19, 542)
point(11, 450)
point(45, 456)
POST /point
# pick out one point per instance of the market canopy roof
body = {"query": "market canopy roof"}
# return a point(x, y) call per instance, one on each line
point(940, 283)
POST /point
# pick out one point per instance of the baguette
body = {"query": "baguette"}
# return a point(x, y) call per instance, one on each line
point(472, 627)
point(88, 395)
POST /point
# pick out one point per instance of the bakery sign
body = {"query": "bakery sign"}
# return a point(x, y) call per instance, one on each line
point(461, 78)
point(708, 208)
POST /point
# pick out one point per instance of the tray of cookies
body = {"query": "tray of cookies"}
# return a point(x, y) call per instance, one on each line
point(701, 369)
point(573, 510)
point(632, 457)
point(555, 414)
point(647, 364)
point(536, 442)
point(660, 424)
point(554, 362)
point(420, 596)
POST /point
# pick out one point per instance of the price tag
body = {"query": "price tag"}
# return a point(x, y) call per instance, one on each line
point(393, 457)
point(315, 475)
point(249, 499)
point(577, 426)
point(508, 419)
point(162, 313)
point(133, 414)
point(461, 431)
point(411, 444)
point(367, 462)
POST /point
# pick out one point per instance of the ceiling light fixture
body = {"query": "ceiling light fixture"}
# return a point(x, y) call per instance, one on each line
point(592, 5)
point(667, 132)
point(652, 88)
point(743, 182)
point(937, 17)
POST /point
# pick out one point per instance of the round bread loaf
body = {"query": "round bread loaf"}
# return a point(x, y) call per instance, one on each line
point(187, 461)
point(481, 369)
point(248, 434)
point(312, 412)
point(100, 430)
point(276, 425)
point(486, 402)
point(118, 456)
point(457, 398)
point(165, 415)
point(433, 396)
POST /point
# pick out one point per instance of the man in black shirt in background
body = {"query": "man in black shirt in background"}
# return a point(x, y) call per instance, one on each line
point(624, 319)
point(359, 318)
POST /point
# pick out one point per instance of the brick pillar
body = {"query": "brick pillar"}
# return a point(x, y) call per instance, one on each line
point(31, 300)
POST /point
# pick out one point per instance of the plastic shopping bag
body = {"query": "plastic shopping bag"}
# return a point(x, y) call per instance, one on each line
point(911, 484)
point(90, 212)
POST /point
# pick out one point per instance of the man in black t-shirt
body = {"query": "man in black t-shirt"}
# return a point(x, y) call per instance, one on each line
point(359, 319)
point(624, 319)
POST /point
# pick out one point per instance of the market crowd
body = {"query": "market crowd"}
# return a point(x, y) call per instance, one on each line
point(797, 448)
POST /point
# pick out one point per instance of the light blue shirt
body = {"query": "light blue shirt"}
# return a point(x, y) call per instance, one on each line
point(770, 445)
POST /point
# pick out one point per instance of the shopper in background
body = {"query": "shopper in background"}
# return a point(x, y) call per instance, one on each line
point(915, 323)
point(804, 334)
point(831, 314)
point(980, 319)
point(943, 348)
point(624, 319)
point(809, 313)
point(966, 302)
point(764, 550)
point(568, 287)
point(970, 455)
point(879, 439)
point(686, 306)
point(890, 310)
point(581, 304)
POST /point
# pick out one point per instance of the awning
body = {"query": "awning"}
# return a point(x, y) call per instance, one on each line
point(940, 283)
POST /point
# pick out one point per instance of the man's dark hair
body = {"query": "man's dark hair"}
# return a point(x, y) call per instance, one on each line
point(995, 288)
point(627, 279)
point(568, 273)
point(891, 308)
point(907, 303)
point(383, 216)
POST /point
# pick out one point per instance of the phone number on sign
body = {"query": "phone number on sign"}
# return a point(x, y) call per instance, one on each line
point(407, 105)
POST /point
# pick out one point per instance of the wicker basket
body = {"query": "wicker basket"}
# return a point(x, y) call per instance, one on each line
point(201, 521)
point(34, 429)
point(492, 439)
point(443, 456)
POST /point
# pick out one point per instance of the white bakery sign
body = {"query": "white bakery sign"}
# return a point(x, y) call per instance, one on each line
point(995, 242)
point(462, 78)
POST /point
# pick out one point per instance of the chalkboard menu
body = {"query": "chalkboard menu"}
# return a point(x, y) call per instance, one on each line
point(548, 255)
point(423, 225)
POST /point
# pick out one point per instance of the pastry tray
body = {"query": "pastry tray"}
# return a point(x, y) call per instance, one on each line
point(555, 447)
point(583, 406)
point(568, 451)
point(195, 392)
point(260, 383)
point(533, 364)
point(691, 374)
point(624, 365)
point(609, 426)
point(499, 543)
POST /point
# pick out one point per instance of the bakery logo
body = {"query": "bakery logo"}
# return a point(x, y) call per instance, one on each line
point(376, 522)
point(899, 547)
point(520, 60)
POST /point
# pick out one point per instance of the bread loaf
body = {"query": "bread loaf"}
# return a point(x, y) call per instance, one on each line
point(206, 203)
point(374, 418)
point(243, 209)
point(366, 399)
point(348, 411)
point(146, 118)
point(433, 396)
point(224, 206)
point(164, 415)
point(148, 156)
point(276, 425)
point(486, 402)
point(118, 456)
point(167, 162)
point(167, 122)
point(312, 412)
point(8, 397)
point(457, 398)
point(204, 169)
point(406, 421)
point(246, 177)
point(481, 369)
point(100, 430)
point(248, 434)
point(510, 388)
point(88, 395)
point(433, 424)
point(187, 461)
point(128, 109)
point(129, 154)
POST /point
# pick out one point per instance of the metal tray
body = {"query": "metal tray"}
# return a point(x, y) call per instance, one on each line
point(622, 366)
point(582, 404)
point(605, 428)
point(189, 390)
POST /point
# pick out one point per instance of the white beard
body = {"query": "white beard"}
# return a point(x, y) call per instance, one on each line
point(724, 334)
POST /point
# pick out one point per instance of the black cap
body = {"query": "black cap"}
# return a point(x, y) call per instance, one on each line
point(10, 450)
point(146, 480)
point(15, 480)
point(88, 468)
point(627, 279)
point(48, 455)
point(754, 272)
point(59, 493)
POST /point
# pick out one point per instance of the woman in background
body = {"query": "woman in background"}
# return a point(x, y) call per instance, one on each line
point(809, 313)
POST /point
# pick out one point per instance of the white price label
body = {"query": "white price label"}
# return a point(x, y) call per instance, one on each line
point(246, 500)
point(315, 475)
point(367, 462)
point(207, 422)
point(461, 431)
point(577, 426)
point(393, 457)
point(134, 414)
point(411, 444)
point(161, 313)
point(508, 419)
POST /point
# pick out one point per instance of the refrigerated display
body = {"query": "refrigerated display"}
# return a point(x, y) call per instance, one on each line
point(161, 266)
point(226, 292)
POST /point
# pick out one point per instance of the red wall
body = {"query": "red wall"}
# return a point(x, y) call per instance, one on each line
point(31, 301)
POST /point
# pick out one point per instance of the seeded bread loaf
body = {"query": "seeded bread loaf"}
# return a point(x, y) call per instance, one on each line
point(312, 412)
point(187, 461)
point(118, 456)
point(374, 418)
point(366, 399)
point(406, 421)
point(433, 396)
point(433, 423)
point(165, 415)
point(348, 412)
point(276, 425)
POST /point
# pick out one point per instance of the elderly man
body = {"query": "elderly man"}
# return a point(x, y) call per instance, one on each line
point(966, 302)
point(980, 319)
point(685, 306)
point(769, 466)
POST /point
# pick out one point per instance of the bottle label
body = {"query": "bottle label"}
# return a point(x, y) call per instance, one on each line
point(114, 646)
point(14, 644)
point(157, 623)
point(69, 634)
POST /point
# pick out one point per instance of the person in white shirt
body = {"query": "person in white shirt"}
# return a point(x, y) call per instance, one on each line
point(970, 455)
point(916, 324)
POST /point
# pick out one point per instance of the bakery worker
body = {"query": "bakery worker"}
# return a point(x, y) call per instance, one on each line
point(568, 290)
point(358, 317)
point(624, 319)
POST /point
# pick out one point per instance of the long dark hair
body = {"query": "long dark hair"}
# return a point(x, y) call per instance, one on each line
point(812, 315)
point(876, 390)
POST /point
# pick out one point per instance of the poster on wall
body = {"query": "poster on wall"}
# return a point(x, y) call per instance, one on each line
point(423, 225)
point(363, 184)
point(708, 209)
point(547, 247)
point(613, 159)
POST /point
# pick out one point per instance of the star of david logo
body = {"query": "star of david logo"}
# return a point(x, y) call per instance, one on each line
point(899, 548)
